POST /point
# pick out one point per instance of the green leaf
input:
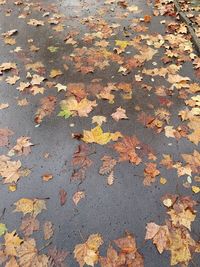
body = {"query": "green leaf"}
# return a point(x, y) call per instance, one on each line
point(52, 49)
point(65, 113)
point(3, 229)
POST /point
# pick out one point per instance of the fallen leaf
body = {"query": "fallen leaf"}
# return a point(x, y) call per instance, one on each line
point(96, 135)
point(48, 230)
point(32, 206)
point(63, 197)
point(12, 242)
point(29, 225)
point(4, 135)
point(119, 114)
point(87, 253)
point(47, 176)
point(78, 196)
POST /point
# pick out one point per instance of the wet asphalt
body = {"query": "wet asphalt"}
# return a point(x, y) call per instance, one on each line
point(108, 210)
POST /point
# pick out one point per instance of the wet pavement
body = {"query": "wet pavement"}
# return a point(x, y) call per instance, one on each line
point(108, 210)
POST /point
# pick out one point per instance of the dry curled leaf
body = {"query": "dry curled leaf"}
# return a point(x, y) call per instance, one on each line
point(48, 230)
point(78, 196)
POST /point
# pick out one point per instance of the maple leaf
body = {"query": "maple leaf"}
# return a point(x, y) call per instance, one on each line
point(112, 258)
point(23, 146)
point(129, 256)
point(150, 173)
point(29, 225)
point(22, 86)
point(48, 230)
point(12, 242)
point(12, 80)
point(60, 87)
point(7, 66)
point(9, 170)
point(47, 107)
point(57, 257)
point(82, 108)
point(126, 149)
point(37, 90)
point(81, 162)
point(87, 253)
point(78, 196)
point(28, 255)
point(55, 73)
point(99, 120)
point(32, 206)
point(4, 135)
point(96, 135)
point(108, 165)
point(159, 235)
point(193, 160)
point(119, 114)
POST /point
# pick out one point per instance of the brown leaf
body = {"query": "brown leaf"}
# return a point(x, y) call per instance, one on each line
point(47, 107)
point(4, 135)
point(29, 225)
point(23, 146)
point(126, 149)
point(48, 230)
point(81, 162)
point(47, 176)
point(87, 253)
point(57, 257)
point(63, 197)
point(159, 235)
point(108, 165)
point(150, 173)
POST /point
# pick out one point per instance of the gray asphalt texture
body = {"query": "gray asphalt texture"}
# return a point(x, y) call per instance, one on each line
point(108, 210)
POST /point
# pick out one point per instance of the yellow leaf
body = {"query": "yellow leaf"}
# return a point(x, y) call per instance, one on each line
point(87, 253)
point(96, 135)
point(122, 44)
point(34, 206)
point(12, 242)
point(196, 189)
point(163, 180)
